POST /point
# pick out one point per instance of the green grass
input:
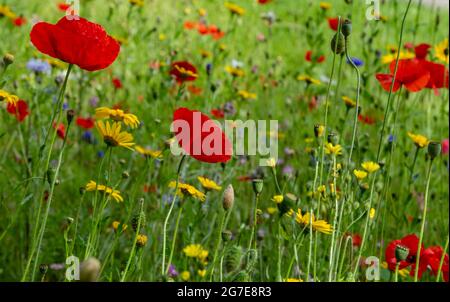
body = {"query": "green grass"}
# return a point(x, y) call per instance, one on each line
point(150, 94)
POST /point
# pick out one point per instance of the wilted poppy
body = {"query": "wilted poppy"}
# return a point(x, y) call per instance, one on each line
point(411, 73)
point(200, 137)
point(76, 41)
point(20, 110)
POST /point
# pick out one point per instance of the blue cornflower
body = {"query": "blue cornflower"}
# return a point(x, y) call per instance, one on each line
point(356, 61)
point(100, 154)
point(39, 66)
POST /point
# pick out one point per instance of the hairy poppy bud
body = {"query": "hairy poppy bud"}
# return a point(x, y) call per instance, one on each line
point(228, 198)
point(401, 253)
point(434, 149)
point(338, 43)
point(50, 175)
point(89, 270)
point(8, 59)
point(227, 236)
point(70, 115)
point(347, 28)
point(258, 185)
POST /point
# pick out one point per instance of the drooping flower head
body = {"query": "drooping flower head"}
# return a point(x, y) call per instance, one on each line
point(75, 40)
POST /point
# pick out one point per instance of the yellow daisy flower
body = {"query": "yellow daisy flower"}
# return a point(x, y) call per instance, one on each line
point(325, 5)
point(349, 102)
point(92, 186)
point(333, 149)
point(196, 251)
point(441, 51)
point(234, 8)
point(141, 240)
point(308, 79)
point(5, 11)
point(137, 2)
point(117, 115)
point(148, 152)
point(185, 275)
point(370, 166)
point(387, 59)
point(201, 273)
point(185, 73)
point(116, 224)
point(293, 280)
point(272, 210)
point(419, 140)
point(278, 199)
point(317, 225)
point(9, 98)
point(403, 272)
point(185, 189)
point(360, 175)
point(208, 184)
point(235, 71)
point(372, 213)
point(113, 137)
point(247, 95)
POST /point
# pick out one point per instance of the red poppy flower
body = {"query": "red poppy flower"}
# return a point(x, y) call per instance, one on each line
point(117, 83)
point(19, 21)
point(218, 113)
point(433, 256)
point(76, 41)
point(411, 242)
point(264, 1)
point(411, 73)
point(366, 119)
point(183, 71)
point(309, 57)
point(200, 137)
point(60, 130)
point(63, 6)
point(190, 25)
point(421, 51)
point(195, 90)
point(20, 110)
point(333, 23)
point(438, 75)
point(202, 29)
point(86, 123)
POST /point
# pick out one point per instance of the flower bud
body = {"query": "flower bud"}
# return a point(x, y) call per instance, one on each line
point(141, 240)
point(43, 268)
point(8, 59)
point(125, 175)
point(338, 43)
point(70, 115)
point(89, 270)
point(258, 185)
point(347, 28)
point(227, 236)
point(228, 198)
point(401, 253)
point(434, 149)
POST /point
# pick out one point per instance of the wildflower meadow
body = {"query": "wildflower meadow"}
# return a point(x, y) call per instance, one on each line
point(224, 141)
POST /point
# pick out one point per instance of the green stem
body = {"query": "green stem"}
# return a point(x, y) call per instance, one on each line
point(424, 217)
point(216, 250)
point(441, 263)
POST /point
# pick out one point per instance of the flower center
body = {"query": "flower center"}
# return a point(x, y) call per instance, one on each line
point(110, 141)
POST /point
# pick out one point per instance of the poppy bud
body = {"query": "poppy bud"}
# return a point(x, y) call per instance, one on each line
point(43, 268)
point(258, 185)
point(318, 130)
point(70, 115)
point(122, 161)
point(333, 138)
point(228, 198)
point(338, 43)
point(89, 270)
point(434, 149)
point(227, 236)
point(50, 174)
point(125, 175)
point(136, 219)
point(8, 59)
point(70, 220)
point(401, 253)
point(347, 28)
